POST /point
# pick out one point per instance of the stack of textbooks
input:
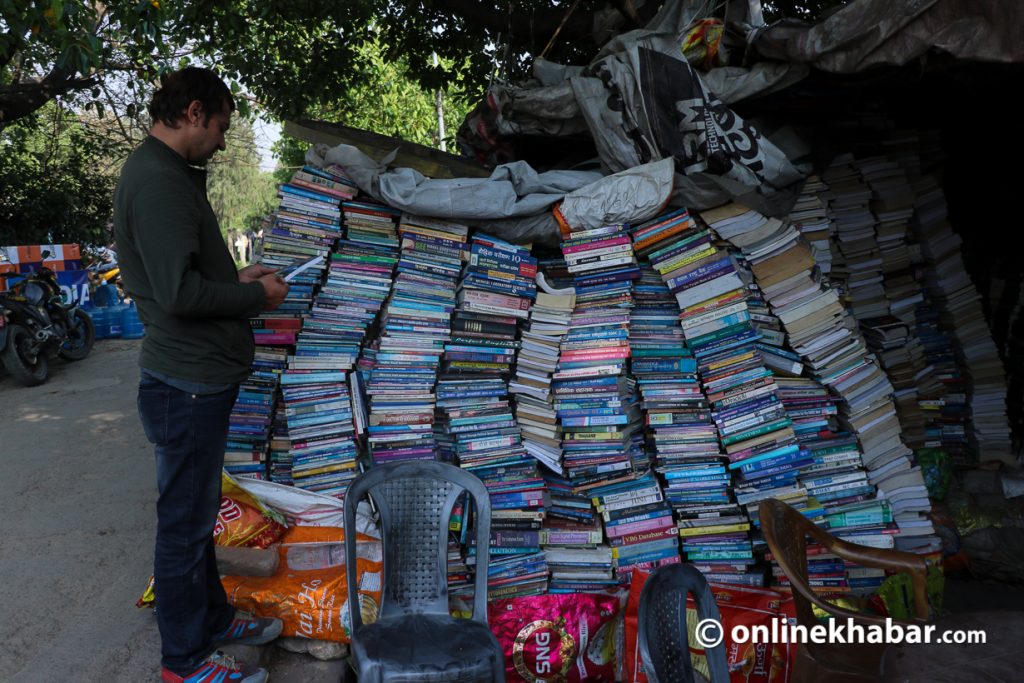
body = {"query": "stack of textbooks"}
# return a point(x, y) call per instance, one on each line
point(821, 332)
point(318, 409)
point(536, 361)
point(639, 525)
point(249, 425)
point(306, 225)
point(478, 429)
point(892, 203)
point(252, 418)
point(415, 326)
point(716, 324)
point(596, 399)
point(948, 285)
point(348, 302)
point(849, 199)
point(370, 223)
point(810, 216)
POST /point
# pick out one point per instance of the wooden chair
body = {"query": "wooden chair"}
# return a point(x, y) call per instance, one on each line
point(786, 531)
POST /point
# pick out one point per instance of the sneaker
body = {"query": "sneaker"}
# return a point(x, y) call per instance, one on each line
point(218, 668)
point(248, 629)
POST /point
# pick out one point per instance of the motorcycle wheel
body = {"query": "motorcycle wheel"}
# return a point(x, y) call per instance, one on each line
point(18, 358)
point(81, 337)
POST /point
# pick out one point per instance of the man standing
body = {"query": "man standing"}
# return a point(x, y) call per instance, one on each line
point(198, 348)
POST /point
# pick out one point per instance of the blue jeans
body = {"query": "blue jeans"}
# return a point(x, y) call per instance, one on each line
point(190, 433)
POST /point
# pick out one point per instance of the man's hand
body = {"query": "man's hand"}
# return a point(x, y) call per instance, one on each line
point(275, 289)
point(253, 273)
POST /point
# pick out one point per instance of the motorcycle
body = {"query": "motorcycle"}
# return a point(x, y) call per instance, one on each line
point(36, 325)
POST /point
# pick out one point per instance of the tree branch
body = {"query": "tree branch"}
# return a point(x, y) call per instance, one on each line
point(524, 24)
point(21, 99)
point(17, 42)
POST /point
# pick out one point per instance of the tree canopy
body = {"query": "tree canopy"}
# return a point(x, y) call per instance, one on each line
point(291, 55)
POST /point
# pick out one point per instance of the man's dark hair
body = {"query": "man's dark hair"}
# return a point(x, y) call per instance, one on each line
point(178, 89)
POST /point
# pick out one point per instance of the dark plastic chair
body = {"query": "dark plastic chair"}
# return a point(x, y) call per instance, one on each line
point(415, 638)
point(663, 642)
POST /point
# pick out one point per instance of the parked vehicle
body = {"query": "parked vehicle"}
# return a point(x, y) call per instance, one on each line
point(36, 325)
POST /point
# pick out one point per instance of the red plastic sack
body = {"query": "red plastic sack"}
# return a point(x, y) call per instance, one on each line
point(243, 521)
point(564, 638)
point(761, 663)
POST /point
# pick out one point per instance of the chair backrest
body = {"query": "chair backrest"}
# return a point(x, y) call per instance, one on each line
point(662, 637)
point(414, 501)
point(786, 530)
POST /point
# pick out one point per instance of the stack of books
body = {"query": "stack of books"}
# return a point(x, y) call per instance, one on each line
point(280, 446)
point(370, 223)
point(892, 203)
point(477, 426)
point(594, 397)
point(755, 435)
point(415, 326)
point(639, 525)
point(536, 361)
point(249, 425)
point(306, 224)
point(810, 216)
point(819, 329)
point(318, 410)
point(849, 199)
point(950, 287)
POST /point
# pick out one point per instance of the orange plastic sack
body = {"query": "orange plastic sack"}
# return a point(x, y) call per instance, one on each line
point(309, 592)
point(243, 521)
point(760, 663)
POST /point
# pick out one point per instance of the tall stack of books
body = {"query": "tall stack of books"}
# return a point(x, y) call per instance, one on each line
point(305, 225)
point(535, 363)
point(949, 286)
point(810, 216)
point(819, 330)
point(318, 409)
point(892, 203)
point(476, 426)
point(573, 535)
point(252, 417)
point(594, 396)
point(716, 323)
point(860, 272)
point(280, 444)
point(415, 326)
point(249, 425)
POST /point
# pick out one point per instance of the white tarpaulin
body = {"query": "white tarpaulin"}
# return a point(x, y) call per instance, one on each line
point(515, 202)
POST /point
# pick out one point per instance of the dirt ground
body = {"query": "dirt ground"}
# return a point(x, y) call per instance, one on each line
point(77, 513)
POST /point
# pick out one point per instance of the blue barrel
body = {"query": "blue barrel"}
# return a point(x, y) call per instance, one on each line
point(100, 321)
point(105, 295)
point(114, 314)
point(131, 326)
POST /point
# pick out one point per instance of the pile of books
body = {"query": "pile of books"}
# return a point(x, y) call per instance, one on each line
point(858, 263)
point(249, 424)
point(415, 326)
point(536, 361)
point(478, 429)
point(318, 410)
point(810, 216)
point(949, 286)
point(306, 224)
point(819, 330)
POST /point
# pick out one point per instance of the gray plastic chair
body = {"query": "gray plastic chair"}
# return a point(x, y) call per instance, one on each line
point(414, 637)
point(661, 624)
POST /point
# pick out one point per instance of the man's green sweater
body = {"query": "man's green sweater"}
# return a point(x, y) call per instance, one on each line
point(178, 270)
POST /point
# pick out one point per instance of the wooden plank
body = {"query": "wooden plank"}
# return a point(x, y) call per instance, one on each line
point(431, 162)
